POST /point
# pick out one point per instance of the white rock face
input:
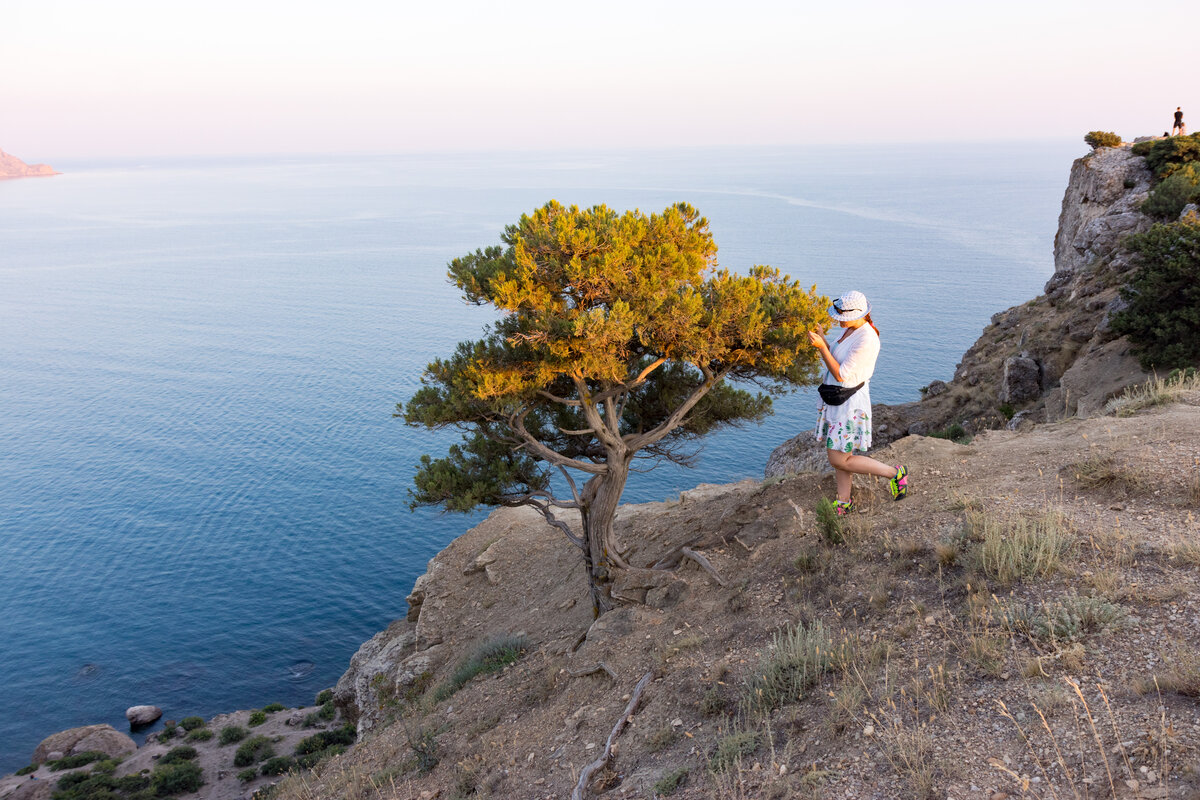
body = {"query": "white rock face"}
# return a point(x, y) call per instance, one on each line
point(1100, 206)
point(139, 716)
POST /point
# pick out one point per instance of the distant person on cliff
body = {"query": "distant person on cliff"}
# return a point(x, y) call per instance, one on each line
point(1178, 127)
point(844, 421)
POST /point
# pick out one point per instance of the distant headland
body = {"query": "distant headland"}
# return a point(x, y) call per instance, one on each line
point(13, 167)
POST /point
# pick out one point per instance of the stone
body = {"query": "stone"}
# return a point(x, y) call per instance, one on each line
point(935, 388)
point(102, 738)
point(918, 428)
point(1190, 211)
point(1022, 380)
point(141, 716)
point(1098, 376)
point(32, 790)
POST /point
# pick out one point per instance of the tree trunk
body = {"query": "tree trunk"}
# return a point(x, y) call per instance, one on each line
point(601, 496)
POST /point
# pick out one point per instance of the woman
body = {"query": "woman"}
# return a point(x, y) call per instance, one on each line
point(844, 424)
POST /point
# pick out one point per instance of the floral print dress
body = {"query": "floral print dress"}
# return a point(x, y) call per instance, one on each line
point(847, 428)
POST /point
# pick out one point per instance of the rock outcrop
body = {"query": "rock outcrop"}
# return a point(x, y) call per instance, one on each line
point(13, 167)
point(140, 716)
point(1052, 357)
point(99, 738)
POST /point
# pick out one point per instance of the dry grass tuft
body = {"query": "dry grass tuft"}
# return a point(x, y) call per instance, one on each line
point(1155, 392)
point(1103, 471)
point(1020, 548)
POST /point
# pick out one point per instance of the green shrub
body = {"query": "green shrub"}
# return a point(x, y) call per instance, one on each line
point(107, 767)
point(325, 714)
point(27, 769)
point(257, 718)
point(325, 696)
point(1165, 156)
point(1065, 619)
point(72, 780)
point(168, 732)
point(1007, 410)
point(1167, 199)
point(669, 782)
point(253, 750)
point(277, 765)
point(191, 723)
point(955, 433)
point(76, 760)
point(829, 524)
point(233, 733)
point(1095, 139)
point(273, 707)
point(491, 656)
point(312, 759)
point(132, 783)
point(1162, 319)
point(799, 656)
point(344, 735)
point(247, 775)
point(199, 735)
point(172, 779)
point(177, 755)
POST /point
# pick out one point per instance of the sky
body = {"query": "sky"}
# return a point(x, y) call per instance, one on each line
point(175, 77)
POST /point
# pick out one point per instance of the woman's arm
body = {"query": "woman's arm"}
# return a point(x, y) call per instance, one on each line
point(817, 338)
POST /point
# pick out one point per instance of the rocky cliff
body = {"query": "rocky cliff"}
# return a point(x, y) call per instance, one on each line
point(1052, 357)
point(13, 167)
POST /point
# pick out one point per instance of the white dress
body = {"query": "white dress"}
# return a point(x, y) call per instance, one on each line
point(847, 428)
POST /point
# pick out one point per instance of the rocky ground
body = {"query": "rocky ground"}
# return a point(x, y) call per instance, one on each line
point(932, 671)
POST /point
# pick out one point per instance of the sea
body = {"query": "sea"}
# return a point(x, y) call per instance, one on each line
point(203, 488)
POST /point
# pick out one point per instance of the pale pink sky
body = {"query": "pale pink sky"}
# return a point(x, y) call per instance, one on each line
point(129, 77)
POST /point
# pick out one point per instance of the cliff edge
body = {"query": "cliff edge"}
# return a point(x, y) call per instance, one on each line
point(13, 167)
point(1051, 357)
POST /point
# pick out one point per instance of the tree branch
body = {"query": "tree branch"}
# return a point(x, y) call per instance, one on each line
point(711, 379)
point(592, 415)
point(544, 510)
point(517, 423)
point(585, 776)
point(704, 563)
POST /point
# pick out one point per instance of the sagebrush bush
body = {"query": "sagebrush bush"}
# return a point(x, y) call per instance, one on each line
point(177, 755)
point(1095, 139)
point(491, 656)
point(191, 723)
point(1064, 619)
point(273, 707)
point(199, 735)
point(799, 656)
point(1019, 548)
point(253, 750)
point(1162, 319)
point(257, 718)
point(277, 765)
point(731, 748)
point(325, 696)
point(75, 760)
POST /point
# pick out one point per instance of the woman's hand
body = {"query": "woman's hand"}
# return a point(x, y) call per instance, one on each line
point(817, 338)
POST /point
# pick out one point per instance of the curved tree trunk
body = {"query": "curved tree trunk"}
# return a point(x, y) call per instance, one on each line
point(601, 496)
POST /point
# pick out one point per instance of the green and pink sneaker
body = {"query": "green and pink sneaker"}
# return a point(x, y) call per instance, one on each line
point(898, 485)
point(843, 508)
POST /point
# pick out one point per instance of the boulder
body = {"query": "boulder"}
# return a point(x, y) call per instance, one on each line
point(102, 738)
point(1022, 379)
point(1097, 376)
point(32, 790)
point(141, 716)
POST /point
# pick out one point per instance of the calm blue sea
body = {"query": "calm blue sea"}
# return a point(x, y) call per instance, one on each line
point(202, 489)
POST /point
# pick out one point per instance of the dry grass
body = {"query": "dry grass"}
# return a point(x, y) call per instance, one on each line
point(1103, 471)
point(1155, 392)
point(1020, 548)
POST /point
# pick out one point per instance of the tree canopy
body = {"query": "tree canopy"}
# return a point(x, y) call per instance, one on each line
point(617, 333)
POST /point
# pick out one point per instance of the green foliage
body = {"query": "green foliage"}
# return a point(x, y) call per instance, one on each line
point(312, 759)
point(108, 766)
point(344, 735)
point(1095, 139)
point(324, 696)
point(133, 783)
point(1162, 319)
point(178, 755)
point(955, 433)
point(257, 718)
point(829, 524)
point(253, 750)
point(27, 769)
point(1020, 548)
point(76, 760)
point(247, 775)
point(491, 656)
point(1007, 410)
point(1165, 156)
point(616, 337)
point(277, 765)
point(1167, 199)
point(273, 707)
point(199, 735)
point(669, 782)
point(172, 779)
point(169, 731)
point(191, 723)
point(233, 733)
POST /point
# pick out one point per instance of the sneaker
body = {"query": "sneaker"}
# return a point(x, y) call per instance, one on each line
point(898, 485)
point(843, 508)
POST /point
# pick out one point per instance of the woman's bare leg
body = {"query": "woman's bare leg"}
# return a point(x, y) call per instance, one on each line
point(861, 465)
point(844, 482)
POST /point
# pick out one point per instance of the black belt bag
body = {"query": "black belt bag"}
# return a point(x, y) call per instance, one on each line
point(836, 395)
